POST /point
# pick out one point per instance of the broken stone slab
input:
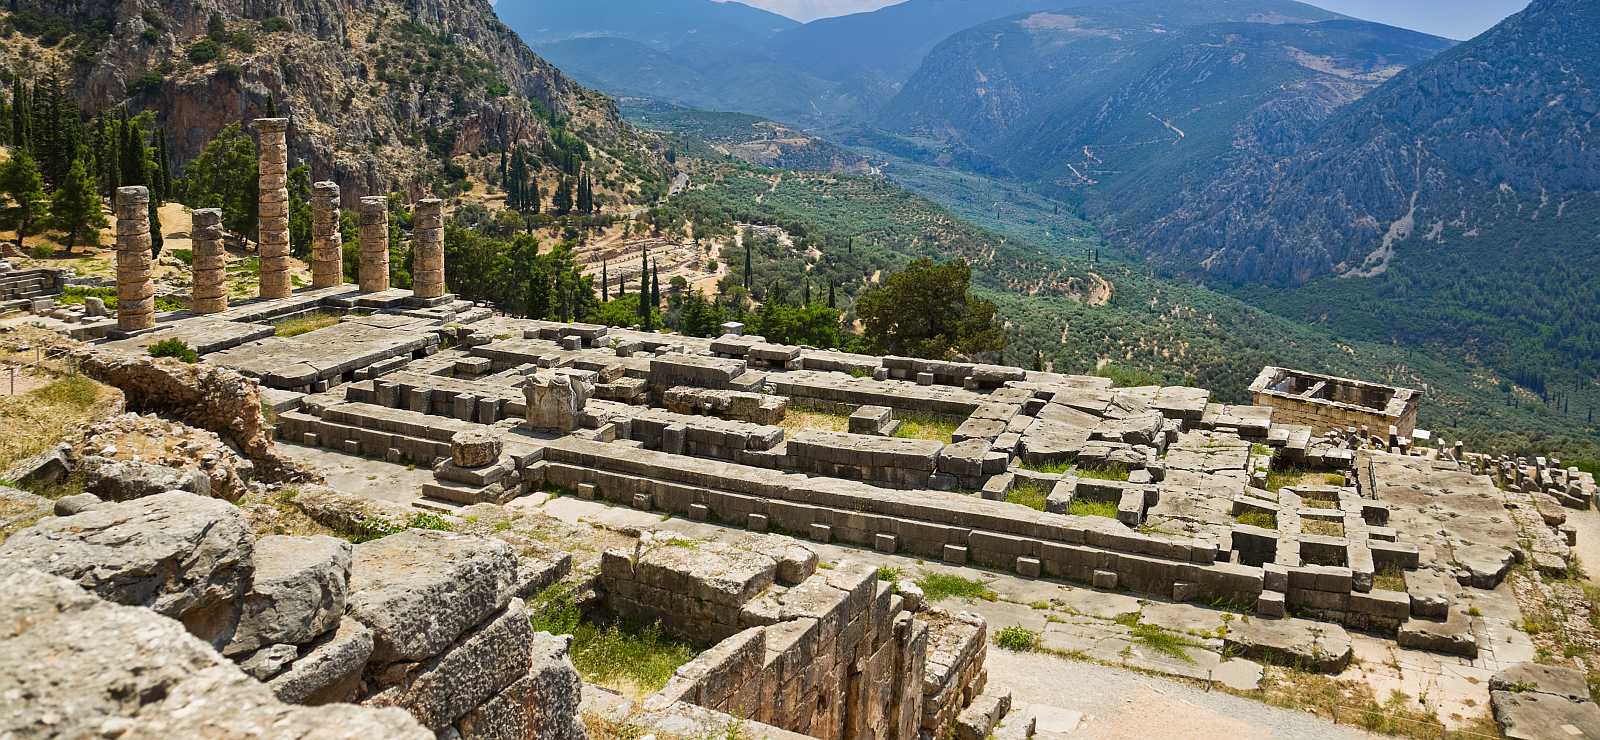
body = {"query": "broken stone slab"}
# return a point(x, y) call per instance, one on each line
point(1567, 683)
point(126, 480)
point(1538, 716)
point(1296, 643)
point(84, 667)
point(475, 449)
point(1483, 566)
point(51, 466)
point(443, 689)
point(269, 661)
point(329, 670)
point(556, 400)
point(77, 504)
point(185, 556)
point(1450, 637)
point(978, 720)
point(299, 592)
point(421, 589)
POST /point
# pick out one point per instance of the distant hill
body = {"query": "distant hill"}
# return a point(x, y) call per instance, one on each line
point(748, 138)
point(661, 24)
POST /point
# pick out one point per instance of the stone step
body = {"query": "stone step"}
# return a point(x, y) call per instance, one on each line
point(437, 506)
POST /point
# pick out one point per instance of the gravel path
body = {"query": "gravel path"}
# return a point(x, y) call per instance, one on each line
point(1119, 704)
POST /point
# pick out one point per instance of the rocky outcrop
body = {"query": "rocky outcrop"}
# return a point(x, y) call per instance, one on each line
point(420, 590)
point(74, 665)
point(184, 556)
point(299, 592)
point(1532, 701)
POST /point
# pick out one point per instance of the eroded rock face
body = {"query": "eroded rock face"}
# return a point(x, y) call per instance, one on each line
point(186, 557)
point(73, 665)
point(127, 480)
point(329, 670)
point(477, 667)
point(299, 592)
point(420, 590)
point(555, 400)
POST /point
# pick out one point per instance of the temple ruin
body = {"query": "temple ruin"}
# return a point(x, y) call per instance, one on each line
point(1319, 513)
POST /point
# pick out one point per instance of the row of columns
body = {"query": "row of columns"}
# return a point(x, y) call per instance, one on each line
point(136, 289)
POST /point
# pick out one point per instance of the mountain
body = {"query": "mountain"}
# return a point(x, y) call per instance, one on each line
point(661, 24)
point(1498, 130)
point(380, 93)
point(747, 138)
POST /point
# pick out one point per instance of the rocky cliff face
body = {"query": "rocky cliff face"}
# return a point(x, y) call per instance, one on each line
point(1499, 128)
point(379, 92)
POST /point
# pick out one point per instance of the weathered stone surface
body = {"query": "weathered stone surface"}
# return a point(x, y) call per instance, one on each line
point(19, 510)
point(126, 480)
point(330, 669)
point(269, 661)
point(420, 590)
point(443, 689)
point(83, 667)
point(1298, 643)
point(347, 512)
point(76, 504)
point(1450, 637)
point(475, 449)
point(1536, 716)
point(50, 466)
point(1568, 683)
point(299, 592)
point(556, 400)
point(557, 689)
point(186, 557)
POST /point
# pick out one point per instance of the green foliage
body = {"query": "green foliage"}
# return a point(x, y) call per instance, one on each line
point(1084, 507)
point(517, 278)
point(1112, 471)
point(926, 426)
point(1262, 519)
point(888, 573)
point(204, 51)
point(1127, 377)
point(1167, 643)
point(23, 186)
point(941, 586)
point(1017, 639)
point(275, 24)
point(224, 176)
point(927, 310)
point(619, 656)
point(814, 325)
point(174, 348)
point(76, 209)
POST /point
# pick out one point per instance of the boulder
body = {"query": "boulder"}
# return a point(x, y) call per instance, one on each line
point(480, 665)
point(299, 592)
point(185, 556)
point(556, 400)
point(1532, 715)
point(1568, 683)
point(84, 667)
point(269, 661)
point(329, 670)
point(69, 505)
point(126, 480)
point(475, 449)
point(420, 590)
point(51, 466)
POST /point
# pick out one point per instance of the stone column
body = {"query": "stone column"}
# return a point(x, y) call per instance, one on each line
point(427, 249)
point(374, 268)
point(327, 246)
point(272, 152)
point(136, 292)
point(210, 262)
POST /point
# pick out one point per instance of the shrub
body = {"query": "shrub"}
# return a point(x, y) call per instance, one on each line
point(204, 51)
point(275, 24)
point(174, 348)
point(1017, 639)
point(939, 586)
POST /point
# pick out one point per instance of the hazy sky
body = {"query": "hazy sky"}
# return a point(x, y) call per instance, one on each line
point(1457, 19)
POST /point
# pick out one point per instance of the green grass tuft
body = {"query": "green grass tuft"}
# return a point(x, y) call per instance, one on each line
point(73, 390)
point(1031, 495)
point(888, 573)
point(1164, 642)
point(1262, 519)
point(940, 586)
point(1017, 639)
point(630, 658)
point(1081, 507)
point(1056, 468)
point(1322, 527)
point(306, 324)
point(1104, 472)
point(175, 348)
point(926, 426)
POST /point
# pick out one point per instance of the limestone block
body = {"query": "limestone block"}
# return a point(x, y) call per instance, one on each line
point(184, 556)
point(330, 668)
point(298, 593)
point(475, 449)
point(1299, 643)
point(555, 400)
point(420, 590)
point(475, 668)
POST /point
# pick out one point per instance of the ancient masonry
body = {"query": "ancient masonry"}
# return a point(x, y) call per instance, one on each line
point(327, 245)
point(427, 249)
point(136, 292)
point(1329, 403)
point(210, 262)
point(273, 221)
point(373, 273)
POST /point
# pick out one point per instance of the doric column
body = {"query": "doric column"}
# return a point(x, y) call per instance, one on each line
point(272, 161)
point(427, 249)
point(374, 269)
point(136, 292)
point(327, 246)
point(210, 262)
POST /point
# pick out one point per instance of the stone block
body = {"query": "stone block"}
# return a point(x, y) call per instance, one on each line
point(420, 590)
point(955, 554)
point(1271, 604)
point(821, 533)
point(885, 542)
point(757, 522)
point(1105, 580)
point(1027, 566)
point(699, 512)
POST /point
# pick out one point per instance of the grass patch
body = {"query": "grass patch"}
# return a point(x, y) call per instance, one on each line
point(294, 327)
point(1278, 480)
point(1017, 639)
point(175, 348)
point(926, 426)
point(1057, 468)
point(1322, 527)
point(809, 420)
point(940, 586)
point(74, 391)
point(632, 659)
point(1031, 495)
point(1164, 642)
point(1104, 472)
point(37, 420)
point(1262, 519)
point(888, 573)
point(74, 294)
point(1353, 703)
point(1080, 507)
point(1317, 503)
point(1391, 579)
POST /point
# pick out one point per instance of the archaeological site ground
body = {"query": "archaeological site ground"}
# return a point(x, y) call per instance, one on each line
point(358, 511)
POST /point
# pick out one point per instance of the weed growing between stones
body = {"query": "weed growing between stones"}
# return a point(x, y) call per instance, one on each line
point(306, 324)
point(925, 426)
point(1104, 472)
point(1322, 527)
point(634, 660)
point(1031, 495)
point(1390, 579)
point(1081, 507)
point(939, 586)
point(1017, 639)
point(1291, 477)
point(1059, 468)
point(176, 349)
point(888, 573)
point(1262, 519)
point(1167, 643)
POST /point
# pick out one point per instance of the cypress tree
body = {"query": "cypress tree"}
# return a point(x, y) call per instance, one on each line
point(831, 303)
point(272, 106)
point(805, 292)
point(504, 173)
point(655, 285)
point(156, 240)
point(605, 281)
point(19, 113)
point(749, 274)
point(163, 167)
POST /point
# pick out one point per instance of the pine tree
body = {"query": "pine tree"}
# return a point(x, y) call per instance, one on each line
point(21, 182)
point(75, 207)
point(272, 106)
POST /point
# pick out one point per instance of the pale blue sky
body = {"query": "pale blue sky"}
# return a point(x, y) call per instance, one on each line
point(1457, 19)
